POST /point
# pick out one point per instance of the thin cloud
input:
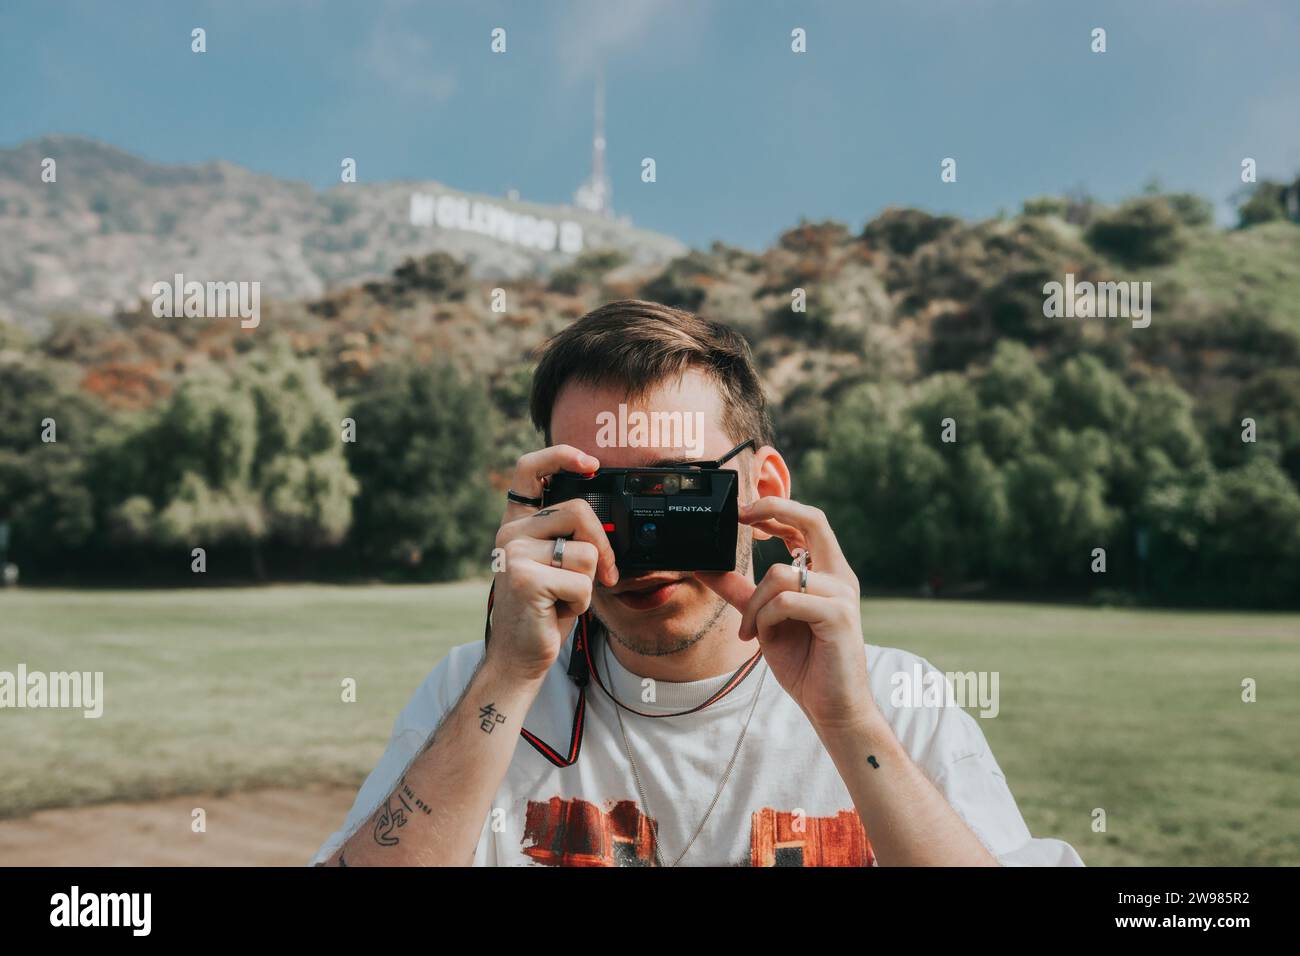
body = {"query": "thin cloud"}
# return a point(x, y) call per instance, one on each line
point(405, 63)
point(591, 33)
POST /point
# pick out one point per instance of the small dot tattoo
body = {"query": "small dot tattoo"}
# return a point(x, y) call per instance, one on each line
point(872, 760)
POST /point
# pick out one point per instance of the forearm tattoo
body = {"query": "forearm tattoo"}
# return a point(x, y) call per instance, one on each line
point(545, 511)
point(872, 760)
point(395, 812)
point(489, 717)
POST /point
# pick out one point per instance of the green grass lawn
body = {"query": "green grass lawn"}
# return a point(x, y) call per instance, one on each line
point(1136, 712)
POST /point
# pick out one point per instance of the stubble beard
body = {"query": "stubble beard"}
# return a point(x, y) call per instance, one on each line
point(655, 647)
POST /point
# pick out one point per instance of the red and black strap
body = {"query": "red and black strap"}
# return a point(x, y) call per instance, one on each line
point(581, 670)
point(579, 712)
point(732, 683)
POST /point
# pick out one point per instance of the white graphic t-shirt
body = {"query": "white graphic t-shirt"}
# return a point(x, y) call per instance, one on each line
point(783, 804)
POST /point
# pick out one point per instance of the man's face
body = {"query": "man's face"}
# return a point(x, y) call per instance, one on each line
point(659, 612)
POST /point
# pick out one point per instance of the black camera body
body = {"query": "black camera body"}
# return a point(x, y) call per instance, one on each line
point(660, 519)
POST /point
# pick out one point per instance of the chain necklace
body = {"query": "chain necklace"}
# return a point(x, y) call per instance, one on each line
point(726, 775)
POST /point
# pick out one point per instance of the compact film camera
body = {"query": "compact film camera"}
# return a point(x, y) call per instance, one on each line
point(680, 518)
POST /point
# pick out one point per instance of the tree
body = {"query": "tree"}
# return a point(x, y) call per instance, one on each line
point(1141, 232)
point(1272, 400)
point(903, 231)
point(424, 440)
point(1252, 548)
point(45, 494)
point(240, 456)
point(588, 269)
point(1269, 201)
point(682, 282)
point(1045, 468)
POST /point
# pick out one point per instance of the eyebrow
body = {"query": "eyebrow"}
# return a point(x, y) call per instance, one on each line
point(669, 462)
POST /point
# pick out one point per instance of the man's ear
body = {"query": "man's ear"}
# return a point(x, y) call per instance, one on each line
point(771, 479)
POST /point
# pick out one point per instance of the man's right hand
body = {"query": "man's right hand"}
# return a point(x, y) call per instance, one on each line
point(536, 604)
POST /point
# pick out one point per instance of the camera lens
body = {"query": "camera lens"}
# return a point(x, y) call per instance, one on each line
point(672, 484)
point(633, 482)
point(648, 533)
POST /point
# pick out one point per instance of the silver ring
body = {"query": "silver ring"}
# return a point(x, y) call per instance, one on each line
point(804, 560)
point(557, 554)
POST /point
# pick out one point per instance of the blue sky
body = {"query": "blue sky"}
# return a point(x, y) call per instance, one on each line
point(748, 137)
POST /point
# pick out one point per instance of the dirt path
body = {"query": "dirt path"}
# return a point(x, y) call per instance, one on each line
point(256, 828)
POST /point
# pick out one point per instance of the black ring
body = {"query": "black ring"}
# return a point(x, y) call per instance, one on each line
point(522, 500)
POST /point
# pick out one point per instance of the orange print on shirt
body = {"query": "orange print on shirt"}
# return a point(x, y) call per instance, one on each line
point(577, 832)
point(783, 838)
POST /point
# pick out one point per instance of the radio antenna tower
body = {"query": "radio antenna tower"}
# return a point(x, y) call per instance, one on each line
point(596, 195)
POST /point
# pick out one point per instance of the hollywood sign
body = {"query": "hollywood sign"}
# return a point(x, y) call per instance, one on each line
point(447, 211)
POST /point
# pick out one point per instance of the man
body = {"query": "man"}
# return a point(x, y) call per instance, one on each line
point(690, 747)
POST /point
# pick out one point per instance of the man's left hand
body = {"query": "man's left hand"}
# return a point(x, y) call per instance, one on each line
point(812, 640)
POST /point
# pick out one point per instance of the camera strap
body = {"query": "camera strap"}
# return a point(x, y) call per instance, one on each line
point(731, 684)
point(579, 664)
point(581, 671)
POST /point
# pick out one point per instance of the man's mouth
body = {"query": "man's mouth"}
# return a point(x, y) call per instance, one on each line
point(648, 593)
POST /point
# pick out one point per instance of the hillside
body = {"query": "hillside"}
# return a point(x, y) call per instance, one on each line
point(1071, 433)
point(112, 224)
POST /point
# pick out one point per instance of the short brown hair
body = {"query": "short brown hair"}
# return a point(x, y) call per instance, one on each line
point(639, 344)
